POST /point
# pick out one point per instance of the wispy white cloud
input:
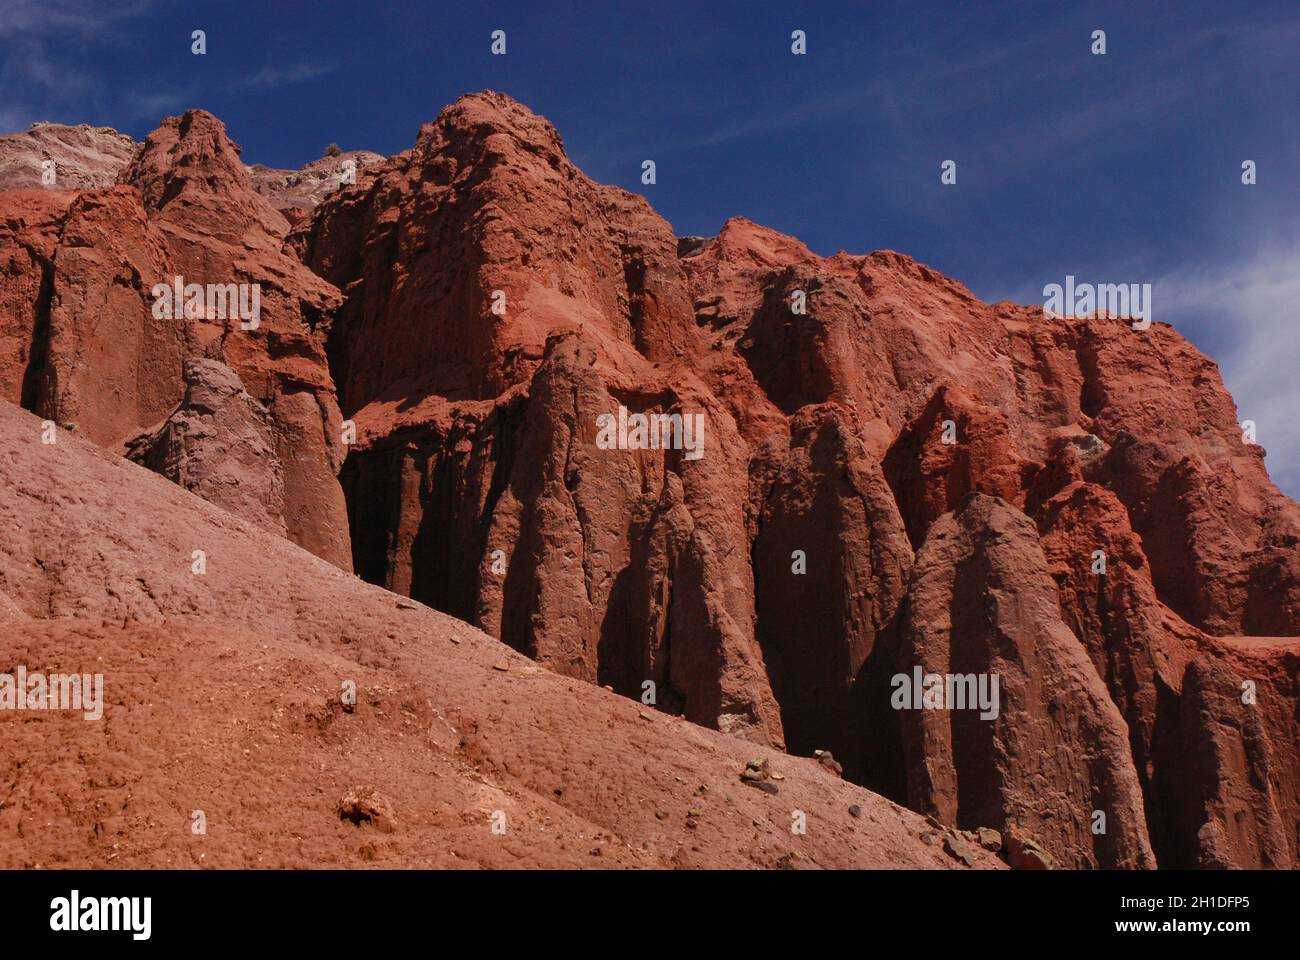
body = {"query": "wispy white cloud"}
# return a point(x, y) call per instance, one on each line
point(271, 77)
point(1256, 302)
point(154, 106)
point(44, 80)
point(60, 17)
point(39, 77)
point(962, 79)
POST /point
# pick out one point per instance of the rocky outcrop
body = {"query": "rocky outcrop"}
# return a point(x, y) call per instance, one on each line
point(1135, 643)
point(869, 396)
point(955, 447)
point(94, 338)
point(30, 223)
point(831, 567)
point(296, 193)
point(60, 157)
point(1219, 536)
point(1217, 786)
point(1036, 406)
point(486, 218)
point(883, 333)
point(220, 444)
point(1018, 725)
point(628, 567)
point(1240, 795)
point(107, 368)
point(54, 156)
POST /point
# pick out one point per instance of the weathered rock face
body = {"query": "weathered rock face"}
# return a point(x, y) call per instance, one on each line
point(1108, 602)
point(1216, 779)
point(1220, 538)
point(883, 333)
point(1179, 504)
point(91, 158)
point(768, 587)
point(108, 369)
point(879, 334)
point(485, 218)
point(618, 565)
point(296, 193)
point(64, 158)
point(30, 222)
point(220, 444)
point(1049, 750)
point(955, 447)
point(85, 342)
point(749, 484)
point(498, 305)
point(1239, 776)
point(831, 568)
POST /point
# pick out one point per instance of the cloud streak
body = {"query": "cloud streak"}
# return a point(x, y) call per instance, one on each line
point(269, 77)
point(40, 80)
point(1255, 302)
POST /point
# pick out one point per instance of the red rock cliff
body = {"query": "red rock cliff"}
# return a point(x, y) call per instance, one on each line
point(756, 487)
point(770, 586)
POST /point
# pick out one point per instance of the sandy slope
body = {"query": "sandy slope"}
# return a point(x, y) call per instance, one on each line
point(222, 695)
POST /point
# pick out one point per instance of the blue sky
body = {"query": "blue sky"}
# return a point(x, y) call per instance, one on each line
point(1117, 168)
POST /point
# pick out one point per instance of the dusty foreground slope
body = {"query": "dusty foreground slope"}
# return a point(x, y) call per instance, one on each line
point(222, 695)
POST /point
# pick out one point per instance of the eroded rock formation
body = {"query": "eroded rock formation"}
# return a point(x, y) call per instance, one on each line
point(220, 444)
point(844, 432)
point(87, 345)
point(1052, 753)
point(498, 303)
point(725, 476)
point(64, 157)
